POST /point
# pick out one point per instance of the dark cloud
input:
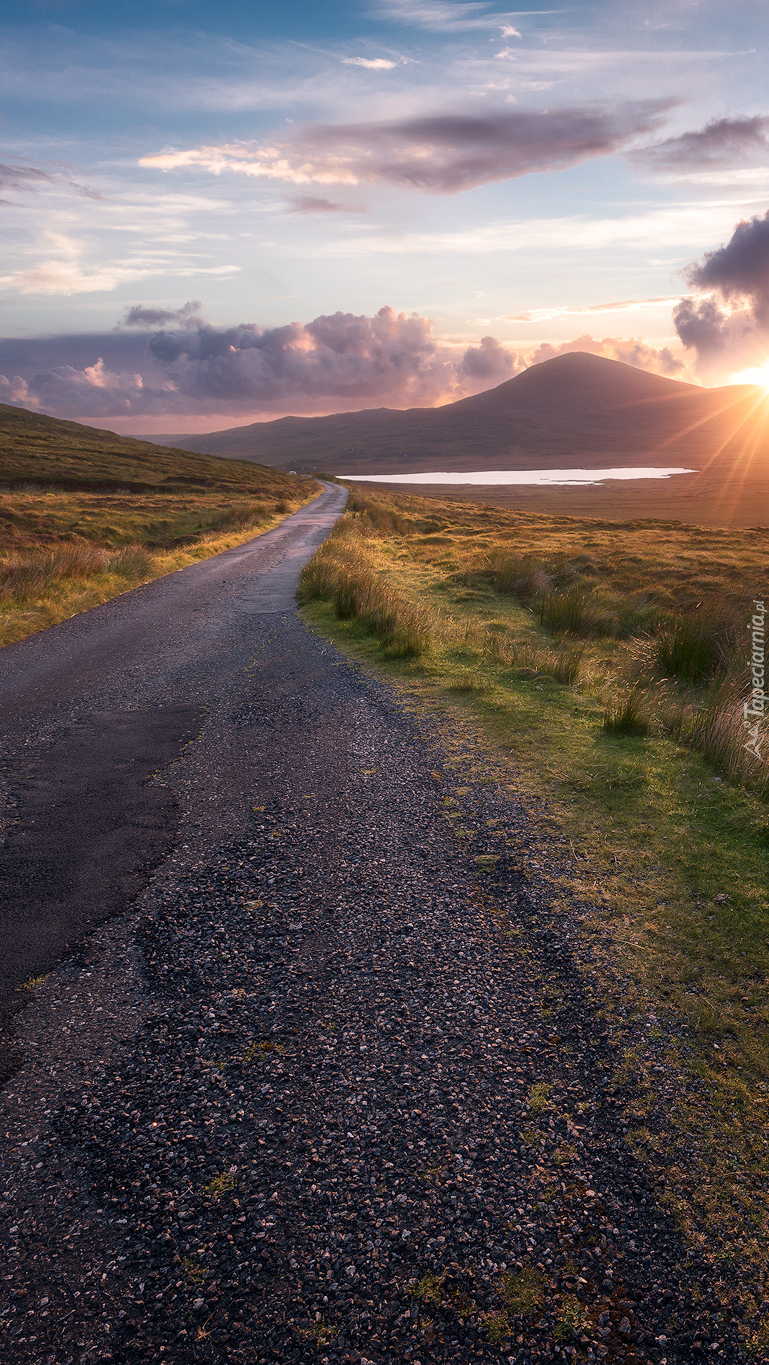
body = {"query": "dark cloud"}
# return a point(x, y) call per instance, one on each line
point(23, 177)
point(739, 270)
point(339, 360)
point(446, 153)
point(730, 325)
point(312, 203)
point(725, 143)
point(700, 323)
point(438, 153)
point(139, 316)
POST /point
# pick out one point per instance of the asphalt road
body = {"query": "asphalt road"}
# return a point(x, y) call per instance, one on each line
point(336, 1088)
point(93, 712)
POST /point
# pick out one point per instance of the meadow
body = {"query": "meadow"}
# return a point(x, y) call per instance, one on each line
point(86, 515)
point(601, 670)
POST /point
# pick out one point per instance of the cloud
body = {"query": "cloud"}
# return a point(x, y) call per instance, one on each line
point(139, 316)
point(446, 16)
point(728, 323)
point(509, 32)
point(337, 362)
point(568, 310)
point(488, 361)
point(311, 203)
point(723, 144)
point(29, 176)
point(740, 270)
point(65, 267)
point(440, 16)
point(438, 153)
point(370, 63)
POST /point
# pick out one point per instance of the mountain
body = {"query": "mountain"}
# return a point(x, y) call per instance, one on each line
point(578, 409)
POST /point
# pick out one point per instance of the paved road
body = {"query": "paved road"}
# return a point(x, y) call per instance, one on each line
point(96, 706)
point(326, 1092)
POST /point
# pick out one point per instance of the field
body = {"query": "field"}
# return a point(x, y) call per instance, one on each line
point(85, 515)
point(601, 671)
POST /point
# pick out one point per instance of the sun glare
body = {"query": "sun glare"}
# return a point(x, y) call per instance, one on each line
point(757, 375)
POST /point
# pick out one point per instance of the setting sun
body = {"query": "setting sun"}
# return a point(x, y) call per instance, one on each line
point(756, 375)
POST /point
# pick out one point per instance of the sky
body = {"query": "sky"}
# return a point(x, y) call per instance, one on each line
point(219, 214)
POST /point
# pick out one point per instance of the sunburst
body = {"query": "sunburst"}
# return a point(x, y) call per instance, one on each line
point(758, 374)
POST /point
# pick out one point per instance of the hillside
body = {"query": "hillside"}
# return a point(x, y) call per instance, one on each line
point(577, 409)
point(45, 451)
point(86, 514)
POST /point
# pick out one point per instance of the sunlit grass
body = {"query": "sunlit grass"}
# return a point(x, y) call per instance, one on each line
point(62, 552)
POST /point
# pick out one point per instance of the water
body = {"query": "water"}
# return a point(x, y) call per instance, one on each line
point(575, 478)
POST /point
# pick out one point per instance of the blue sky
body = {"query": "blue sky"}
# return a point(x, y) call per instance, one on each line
point(541, 178)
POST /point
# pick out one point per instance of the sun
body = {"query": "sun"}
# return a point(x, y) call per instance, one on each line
point(759, 374)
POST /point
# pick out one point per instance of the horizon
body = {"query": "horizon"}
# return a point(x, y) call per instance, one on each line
point(299, 213)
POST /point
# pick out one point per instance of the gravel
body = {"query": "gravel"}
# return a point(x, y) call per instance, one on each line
point(349, 1096)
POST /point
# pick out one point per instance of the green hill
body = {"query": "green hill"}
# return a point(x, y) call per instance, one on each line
point(86, 514)
point(47, 452)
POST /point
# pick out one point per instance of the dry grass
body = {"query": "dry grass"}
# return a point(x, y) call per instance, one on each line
point(63, 551)
point(345, 574)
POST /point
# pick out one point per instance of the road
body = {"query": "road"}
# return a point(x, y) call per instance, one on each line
point(93, 708)
point(329, 1083)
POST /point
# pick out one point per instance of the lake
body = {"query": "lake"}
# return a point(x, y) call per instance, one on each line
point(578, 478)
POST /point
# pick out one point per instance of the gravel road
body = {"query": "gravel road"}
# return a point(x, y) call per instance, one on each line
point(332, 1088)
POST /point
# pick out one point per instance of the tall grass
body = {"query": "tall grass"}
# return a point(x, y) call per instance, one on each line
point(522, 576)
point(561, 664)
point(343, 574)
point(30, 574)
point(699, 644)
point(626, 715)
point(715, 726)
point(573, 611)
point(33, 573)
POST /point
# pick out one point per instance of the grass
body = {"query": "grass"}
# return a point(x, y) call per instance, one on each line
point(220, 1185)
point(343, 572)
point(31, 983)
point(538, 1097)
point(85, 515)
point(625, 715)
point(617, 718)
point(571, 1319)
point(524, 1292)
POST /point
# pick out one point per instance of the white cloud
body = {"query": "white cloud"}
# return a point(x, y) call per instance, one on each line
point(63, 267)
point(370, 63)
point(438, 16)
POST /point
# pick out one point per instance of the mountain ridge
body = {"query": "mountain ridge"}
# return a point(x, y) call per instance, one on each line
point(576, 409)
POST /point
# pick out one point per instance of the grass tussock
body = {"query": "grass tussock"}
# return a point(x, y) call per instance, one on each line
point(700, 644)
point(520, 576)
point(626, 715)
point(716, 727)
point(573, 611)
